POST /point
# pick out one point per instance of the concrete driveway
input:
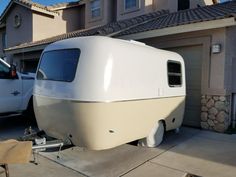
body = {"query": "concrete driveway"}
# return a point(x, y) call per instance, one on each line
point(191, 151)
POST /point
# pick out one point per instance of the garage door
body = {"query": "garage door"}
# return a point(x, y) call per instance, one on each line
point(193, 63)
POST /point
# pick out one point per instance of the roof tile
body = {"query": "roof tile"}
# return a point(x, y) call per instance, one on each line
point(200, 14)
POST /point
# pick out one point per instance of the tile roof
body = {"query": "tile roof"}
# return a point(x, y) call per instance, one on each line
point(64, 5)
point(200, 14)
point(106, 30)
point(147, 22)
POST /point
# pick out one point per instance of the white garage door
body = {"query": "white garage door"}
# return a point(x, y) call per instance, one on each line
point(193, 62)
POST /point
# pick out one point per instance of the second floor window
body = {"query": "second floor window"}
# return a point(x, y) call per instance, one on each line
point(183, 4)
point(96, 8)
point(130, 4)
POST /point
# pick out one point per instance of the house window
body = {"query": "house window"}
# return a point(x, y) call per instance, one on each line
point(130, 4)
point(95, 8)
point(174, 74)
point(183, 4)
point(17, 21)
point(4, 40)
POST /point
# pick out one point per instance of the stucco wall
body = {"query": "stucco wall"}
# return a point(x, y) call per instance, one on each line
point(74, 17)
point(47, 26)
point(23, 33)
point(145, 6)
point(107, 14)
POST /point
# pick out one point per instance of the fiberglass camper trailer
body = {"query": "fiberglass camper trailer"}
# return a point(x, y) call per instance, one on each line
point(101, 92)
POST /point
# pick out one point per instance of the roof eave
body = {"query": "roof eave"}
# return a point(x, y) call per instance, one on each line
point(28, 49)
point(44, 11)
point(199, 26)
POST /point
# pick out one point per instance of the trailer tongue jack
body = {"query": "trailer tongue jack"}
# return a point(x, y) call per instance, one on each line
point(42, 142)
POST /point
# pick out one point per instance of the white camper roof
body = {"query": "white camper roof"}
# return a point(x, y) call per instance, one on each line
point(115, 70)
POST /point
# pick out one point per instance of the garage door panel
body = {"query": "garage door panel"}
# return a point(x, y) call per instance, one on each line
point(192, 56)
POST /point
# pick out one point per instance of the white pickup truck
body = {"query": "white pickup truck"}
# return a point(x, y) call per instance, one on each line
point(15, 90)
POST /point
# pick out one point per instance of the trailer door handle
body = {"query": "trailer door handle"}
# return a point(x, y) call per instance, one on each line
point(15, 93)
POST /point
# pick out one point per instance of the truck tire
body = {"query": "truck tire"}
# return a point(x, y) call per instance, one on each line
point(155, 137)
point(29, 113)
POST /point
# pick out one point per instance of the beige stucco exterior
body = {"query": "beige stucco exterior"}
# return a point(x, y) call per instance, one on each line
point(37, 25)
point(107, 14)
point(67, 20)
point(144, 6)
point(23, 33)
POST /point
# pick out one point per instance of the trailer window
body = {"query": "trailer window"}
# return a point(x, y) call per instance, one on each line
point(59, 65)
point(174, 74)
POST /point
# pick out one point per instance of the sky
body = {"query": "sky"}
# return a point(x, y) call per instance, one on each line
point(3, 3)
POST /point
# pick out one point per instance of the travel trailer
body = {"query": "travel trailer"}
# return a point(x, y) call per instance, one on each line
point(101, 92)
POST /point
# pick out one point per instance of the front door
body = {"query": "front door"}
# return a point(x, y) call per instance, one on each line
point(10, 91)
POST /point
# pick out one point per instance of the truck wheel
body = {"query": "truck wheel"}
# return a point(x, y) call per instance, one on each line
point(155, 137)
point(29, 113)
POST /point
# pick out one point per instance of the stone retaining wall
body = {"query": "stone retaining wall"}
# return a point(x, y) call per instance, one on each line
point(215, 112)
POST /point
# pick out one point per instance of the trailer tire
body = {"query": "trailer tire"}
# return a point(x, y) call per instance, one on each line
point(155, 137)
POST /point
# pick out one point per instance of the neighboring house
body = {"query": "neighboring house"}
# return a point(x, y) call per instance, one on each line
point(24, 21)
point(203, 35)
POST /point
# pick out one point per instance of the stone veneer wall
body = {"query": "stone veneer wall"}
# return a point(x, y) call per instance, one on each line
point(215, 112)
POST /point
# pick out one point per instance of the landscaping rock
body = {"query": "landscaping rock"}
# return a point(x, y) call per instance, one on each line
point(222, 98)
point(220, 105)
point(220, 128)
point(210, 122)
point(204, 125)
point(213, 111)
point(210, 103)
point(212, 117)
point(204, 109)
point(221, 116)
point(204, 116)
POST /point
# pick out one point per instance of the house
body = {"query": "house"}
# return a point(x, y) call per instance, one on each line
point(24, 21)
point(200, 30)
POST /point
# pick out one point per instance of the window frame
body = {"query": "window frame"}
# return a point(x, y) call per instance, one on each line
point(179, 7)
point(131, 9)
point(77, 64)
point(175, 74)
point(93, 9)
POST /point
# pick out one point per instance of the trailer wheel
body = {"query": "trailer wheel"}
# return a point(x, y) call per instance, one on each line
point(155, 137)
